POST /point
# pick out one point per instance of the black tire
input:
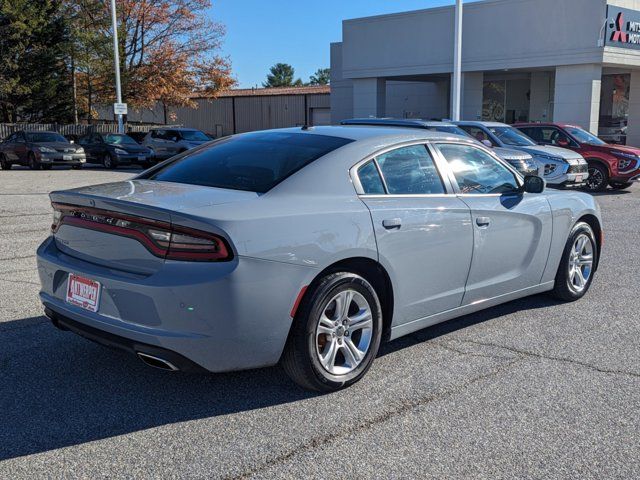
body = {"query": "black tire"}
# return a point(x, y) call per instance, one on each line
point(598, 178)
point(301, 356)
point(76, 167)
point(34, 164)
point(109, 162)
point(4, 165)
point(47, 167)
point(565, 288)
point(620, 185)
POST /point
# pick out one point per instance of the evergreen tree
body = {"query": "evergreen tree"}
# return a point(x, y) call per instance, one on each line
point(35, 83)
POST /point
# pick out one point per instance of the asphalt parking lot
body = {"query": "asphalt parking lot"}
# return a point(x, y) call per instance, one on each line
point(530, 389)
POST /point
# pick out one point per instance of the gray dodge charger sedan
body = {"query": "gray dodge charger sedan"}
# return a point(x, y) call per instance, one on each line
point(308, 247)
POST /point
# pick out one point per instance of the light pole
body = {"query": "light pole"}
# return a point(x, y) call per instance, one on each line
point(457, 64)
point(116, 59)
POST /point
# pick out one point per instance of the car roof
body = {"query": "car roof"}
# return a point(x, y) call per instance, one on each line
point(546, 124)
point(37, 131)
point(364, 132)
point(398, 122)
point(483, 124)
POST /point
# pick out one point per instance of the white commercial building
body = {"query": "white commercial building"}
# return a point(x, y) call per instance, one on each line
point(571, 61)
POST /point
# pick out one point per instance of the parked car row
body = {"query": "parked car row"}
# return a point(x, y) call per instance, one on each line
point(615, 165)
point(564, 155)
point(308, 247)
point(45, 149)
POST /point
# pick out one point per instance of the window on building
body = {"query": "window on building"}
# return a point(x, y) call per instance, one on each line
point(614, 108)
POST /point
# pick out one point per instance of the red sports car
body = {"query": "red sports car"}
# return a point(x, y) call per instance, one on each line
point(614, 165)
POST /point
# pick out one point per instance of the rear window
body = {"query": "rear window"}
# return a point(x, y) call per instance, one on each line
point(255, 162)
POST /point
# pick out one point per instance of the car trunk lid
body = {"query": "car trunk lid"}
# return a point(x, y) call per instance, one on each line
point(161, 204)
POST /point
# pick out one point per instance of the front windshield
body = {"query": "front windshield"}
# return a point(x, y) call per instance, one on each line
point(194, 136)
point(449, 129)
point(45, 137)
point(119, 139)
point(511, 136)
point(583, 136)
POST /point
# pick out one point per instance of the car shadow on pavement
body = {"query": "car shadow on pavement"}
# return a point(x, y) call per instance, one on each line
point(59, 390)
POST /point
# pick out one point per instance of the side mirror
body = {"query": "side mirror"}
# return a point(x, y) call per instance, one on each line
point(487, 143)
point(563, 142)
point(533, 184)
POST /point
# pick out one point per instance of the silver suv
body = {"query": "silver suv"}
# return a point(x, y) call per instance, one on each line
point(560, 167)
point(167, 142)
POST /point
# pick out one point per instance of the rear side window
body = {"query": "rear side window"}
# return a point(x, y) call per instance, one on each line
point(410, 171)
point(255, 162)
point(370, 179)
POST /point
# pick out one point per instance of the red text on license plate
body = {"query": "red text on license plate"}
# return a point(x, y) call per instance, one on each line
point(83, 292)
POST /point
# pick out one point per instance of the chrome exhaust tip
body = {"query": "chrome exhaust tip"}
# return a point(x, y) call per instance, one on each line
point(157, 362)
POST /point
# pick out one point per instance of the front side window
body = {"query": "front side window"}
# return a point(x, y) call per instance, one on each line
point(370, 179)
point(476, 133)
point(477, 172)
point(255, 162)
point(410, 171)
point(584, 137)
point(512, 136)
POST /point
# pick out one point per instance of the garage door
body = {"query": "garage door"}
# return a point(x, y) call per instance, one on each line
point(320, 116)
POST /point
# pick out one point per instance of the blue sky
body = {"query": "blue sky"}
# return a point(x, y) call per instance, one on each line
point(261, 33)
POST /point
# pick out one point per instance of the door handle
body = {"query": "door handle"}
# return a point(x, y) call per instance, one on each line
point(483, 221)
point(392, 223)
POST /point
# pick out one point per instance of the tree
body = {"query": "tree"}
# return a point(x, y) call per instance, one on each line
point(281, 75)
point(321, 77)
point(168, 52)
point(35, 84)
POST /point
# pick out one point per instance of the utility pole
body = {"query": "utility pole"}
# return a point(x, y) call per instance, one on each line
point(457, 64)
point(116, 58)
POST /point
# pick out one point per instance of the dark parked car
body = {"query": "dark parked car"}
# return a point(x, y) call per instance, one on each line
point(114, 149)
point(39, 150)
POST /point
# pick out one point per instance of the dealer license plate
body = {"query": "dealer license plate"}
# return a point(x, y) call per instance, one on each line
point(578, 178)
point(67, 158)
point(141, 158)
point(83, 292)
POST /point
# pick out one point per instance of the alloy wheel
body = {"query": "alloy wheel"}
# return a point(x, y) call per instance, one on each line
point(344, 332)
point(596, 179)
point(106, 161)
point(580, 263)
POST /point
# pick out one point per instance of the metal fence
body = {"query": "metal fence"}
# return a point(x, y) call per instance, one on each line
point(7, 129)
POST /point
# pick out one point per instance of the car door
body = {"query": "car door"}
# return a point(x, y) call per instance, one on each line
point(86, 143)
point(423, 231)
point(9, 148)
point(20, 148)
point(511, 229)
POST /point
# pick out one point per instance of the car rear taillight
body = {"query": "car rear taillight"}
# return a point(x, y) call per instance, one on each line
point(162, 239)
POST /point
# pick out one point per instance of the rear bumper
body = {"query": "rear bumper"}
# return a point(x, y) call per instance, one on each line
point(62, 159)
point(132, 159)
point(121, 343)
point(220, 316)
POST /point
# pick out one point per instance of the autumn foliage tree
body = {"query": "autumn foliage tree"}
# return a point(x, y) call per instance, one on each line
point(169, 50)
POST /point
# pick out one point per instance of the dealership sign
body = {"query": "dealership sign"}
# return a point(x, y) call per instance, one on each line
point(623, 28)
